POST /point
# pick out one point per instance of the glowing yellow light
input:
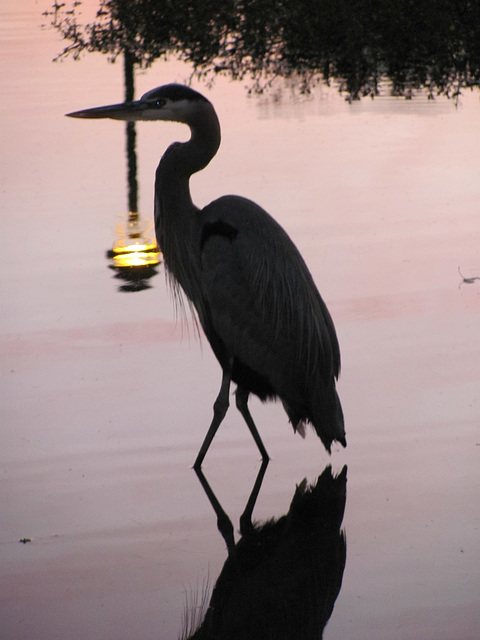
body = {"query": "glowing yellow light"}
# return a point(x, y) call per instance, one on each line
point(136, 259)
point(135, 245)
point(131, 248)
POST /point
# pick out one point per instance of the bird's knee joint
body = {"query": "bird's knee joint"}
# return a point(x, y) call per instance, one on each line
point(220, 406)
point(241, 399)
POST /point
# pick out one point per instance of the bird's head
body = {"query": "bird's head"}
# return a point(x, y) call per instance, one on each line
point(173, 102)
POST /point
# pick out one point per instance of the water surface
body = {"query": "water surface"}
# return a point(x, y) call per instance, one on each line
point(106, 396)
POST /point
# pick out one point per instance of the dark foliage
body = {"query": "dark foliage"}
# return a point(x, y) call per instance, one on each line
point(357, 44)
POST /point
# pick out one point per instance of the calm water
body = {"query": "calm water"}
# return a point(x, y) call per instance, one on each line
point(106, 396)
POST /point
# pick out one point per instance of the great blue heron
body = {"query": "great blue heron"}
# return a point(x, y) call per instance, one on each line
point(254, 296)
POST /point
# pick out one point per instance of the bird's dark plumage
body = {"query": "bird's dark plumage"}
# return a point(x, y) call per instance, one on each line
point(264, 308)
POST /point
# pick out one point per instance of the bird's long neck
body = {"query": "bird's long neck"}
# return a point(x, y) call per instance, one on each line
point(175, 213)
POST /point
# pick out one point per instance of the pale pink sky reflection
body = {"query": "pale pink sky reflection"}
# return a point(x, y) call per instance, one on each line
point(106, 397)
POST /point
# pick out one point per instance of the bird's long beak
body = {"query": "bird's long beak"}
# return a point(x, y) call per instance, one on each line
point(122, 111)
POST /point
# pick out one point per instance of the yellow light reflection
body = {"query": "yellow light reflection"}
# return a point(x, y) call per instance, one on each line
point(135, 245)
point(135, 254)
point(135, 248)
point(136, 259)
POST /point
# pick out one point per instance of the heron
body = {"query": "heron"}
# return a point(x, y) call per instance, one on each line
point(245, 280)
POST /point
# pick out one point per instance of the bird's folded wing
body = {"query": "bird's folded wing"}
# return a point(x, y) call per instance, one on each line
point(261, 298)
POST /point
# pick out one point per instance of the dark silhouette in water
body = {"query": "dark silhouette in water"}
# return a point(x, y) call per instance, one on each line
point(282, 578)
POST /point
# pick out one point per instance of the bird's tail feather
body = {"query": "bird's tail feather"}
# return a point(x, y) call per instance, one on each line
point(328, 420)
point(326, 417)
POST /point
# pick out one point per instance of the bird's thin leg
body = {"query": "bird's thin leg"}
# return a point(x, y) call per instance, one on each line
point(246, 517)
point(224, 523)
point(242, 405)
point(220, 408)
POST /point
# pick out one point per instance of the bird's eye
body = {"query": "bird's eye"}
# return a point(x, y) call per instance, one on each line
point(161, 102)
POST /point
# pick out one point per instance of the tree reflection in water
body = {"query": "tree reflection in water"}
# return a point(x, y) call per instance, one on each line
point(283, 576)
point(414, 44)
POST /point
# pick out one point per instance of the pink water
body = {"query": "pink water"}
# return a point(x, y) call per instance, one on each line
point(105, 397)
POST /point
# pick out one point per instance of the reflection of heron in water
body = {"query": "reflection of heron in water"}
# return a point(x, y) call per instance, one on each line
point(254, 296)
point(282, 578)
